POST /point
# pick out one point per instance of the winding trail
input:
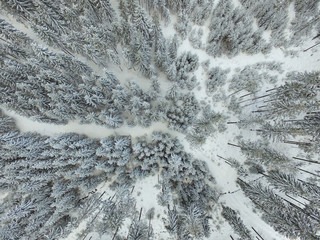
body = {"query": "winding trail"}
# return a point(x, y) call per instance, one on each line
point(25, 124)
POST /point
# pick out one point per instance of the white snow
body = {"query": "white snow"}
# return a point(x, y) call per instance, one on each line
point(91, 130)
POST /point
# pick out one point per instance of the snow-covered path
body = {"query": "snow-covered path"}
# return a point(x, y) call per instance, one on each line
point(25, 124)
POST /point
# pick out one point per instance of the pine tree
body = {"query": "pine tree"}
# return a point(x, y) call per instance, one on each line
point(287, 183)
point(296, 96)
point(237, 224)
point(50, 175)
point(142, 23)
point(194, 222)
point(25, 6)
point(287, 219)
point(138, 231)
point(231, 32)
point(260, 152)
point(216, 78)
point(173, 221)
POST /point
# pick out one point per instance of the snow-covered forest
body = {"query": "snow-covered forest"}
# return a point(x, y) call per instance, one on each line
point(159, 119)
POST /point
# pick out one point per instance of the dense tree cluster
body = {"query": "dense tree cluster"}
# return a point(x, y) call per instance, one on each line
point(231, 32)
point(297, 95)
point(44, 179)
point(55, 87)
point(259, 152)
point(55, 173)
point(182, 111)
point(290, 115)
point(57, 24)
point(216, 78)
point(185, 64)
point(270, 16)
point(188, 223)
point(252, 76)
point(188, 177)
point(306, 19)
point(205, 125)
point(296, 99)
point(283, 215)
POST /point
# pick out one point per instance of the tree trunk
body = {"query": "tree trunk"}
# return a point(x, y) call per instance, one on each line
point(257, 233)
point(236, 92)
point(267, 95)
point(306, 25)
point(305, 160)
point(231, 144)
point(232, 122)
point(270, 100)
point(222, 158)
point(272, 89)
point(294, 120)
point(316, 175)
point(248, 94)
point(295, 199)
point(298, 143)
point(311, 47)
point(260, 111)
point(114, 235)
point(263, 106)
point(140, 214)
point(316, 37)
point(226, 160)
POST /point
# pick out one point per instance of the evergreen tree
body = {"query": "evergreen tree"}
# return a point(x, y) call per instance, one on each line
point(287, 183)
point(216, 78)
point(291, 221)
point(138, 231)
point(201, 12)
point(194, 222)
point(258, 151)
point(46, 178)
point(271, 16)
point(237, 224)
point(231, 32)
point(173, 221)
point(297, 95)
